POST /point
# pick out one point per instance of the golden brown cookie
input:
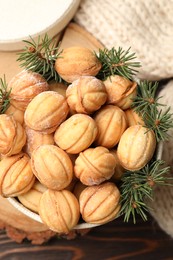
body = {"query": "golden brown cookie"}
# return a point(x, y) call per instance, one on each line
point(24, 87)
point(136, 147)
point(86, 95)
point(59, 210)
point(52, 166)
point(76, 134)
point(58, 87)
point(133, 118)
point(94, 166)
point(120, 91)
point(77, 61)
point(35, 139)
point(17, 114)
point(46, 111)
point(16, 176)
point(31, 199)
point(100, 204)
point(12, 135)
point(119, 170)
point(111, 123)
point(78, 188)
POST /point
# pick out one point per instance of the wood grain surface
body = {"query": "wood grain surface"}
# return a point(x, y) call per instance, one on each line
point(113, 241)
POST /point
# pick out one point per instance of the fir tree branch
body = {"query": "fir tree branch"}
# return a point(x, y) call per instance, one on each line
point(159, 122)
point(40, 57)
point(117, 62)
point(147, 105)
point(137, 186)
point(146, 98)
point(4, 95)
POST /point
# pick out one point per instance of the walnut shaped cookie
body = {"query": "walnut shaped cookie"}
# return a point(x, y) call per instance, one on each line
point(94, 166)
point(76, 134)
point(77, 61)
point(16, 176)
point(12, 135)
point(59, 210)
point(46, 111)
point(24, 87)
point(100, 204)
point(52, 166)
point(86, 94)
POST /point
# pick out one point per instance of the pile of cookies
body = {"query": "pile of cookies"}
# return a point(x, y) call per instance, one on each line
point(64, 147)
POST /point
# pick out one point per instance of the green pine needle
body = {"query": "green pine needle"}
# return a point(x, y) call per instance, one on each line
point(40, 57)
point(138, 186)
point(147, 105)
point(146, 97)
point(4, 95)
point(117, 62)
point(159, 122)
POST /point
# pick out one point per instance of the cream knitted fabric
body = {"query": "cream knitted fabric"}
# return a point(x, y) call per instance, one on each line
point(162, 204)
point(146, 26)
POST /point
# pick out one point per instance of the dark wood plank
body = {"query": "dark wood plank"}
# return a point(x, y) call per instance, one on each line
point(113, 241)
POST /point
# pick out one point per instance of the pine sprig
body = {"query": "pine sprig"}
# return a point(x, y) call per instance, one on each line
point(146, 97)
point(138, 186)
point(117, 62)
point(159, 122)
point(147, 105)
point(40, 57)
point(4, 95)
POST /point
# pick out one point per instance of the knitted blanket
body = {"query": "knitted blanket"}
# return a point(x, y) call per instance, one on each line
point(147, 27)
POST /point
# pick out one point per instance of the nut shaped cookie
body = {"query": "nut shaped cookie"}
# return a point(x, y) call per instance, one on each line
point(120, 91)
point(17, 114)
point(46, 111)
point(77, 61)
point(35, 139)
point(111, 123)
point(99, 204)
point(59, 210)
point(31, 199)
point(52, 166)
point(133, 118)
point(119, 170)
point(136, 147)
point(12, 135)
point(24, 87)
point(58, 87)
point(86, 94)
point(16, 176)
point(94, 166)
point(76, 134)
point(78, 188)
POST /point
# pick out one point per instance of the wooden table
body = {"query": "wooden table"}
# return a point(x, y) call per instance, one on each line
point(113, 241)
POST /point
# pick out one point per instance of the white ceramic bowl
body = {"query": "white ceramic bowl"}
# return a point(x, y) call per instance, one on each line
point(21, 19)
